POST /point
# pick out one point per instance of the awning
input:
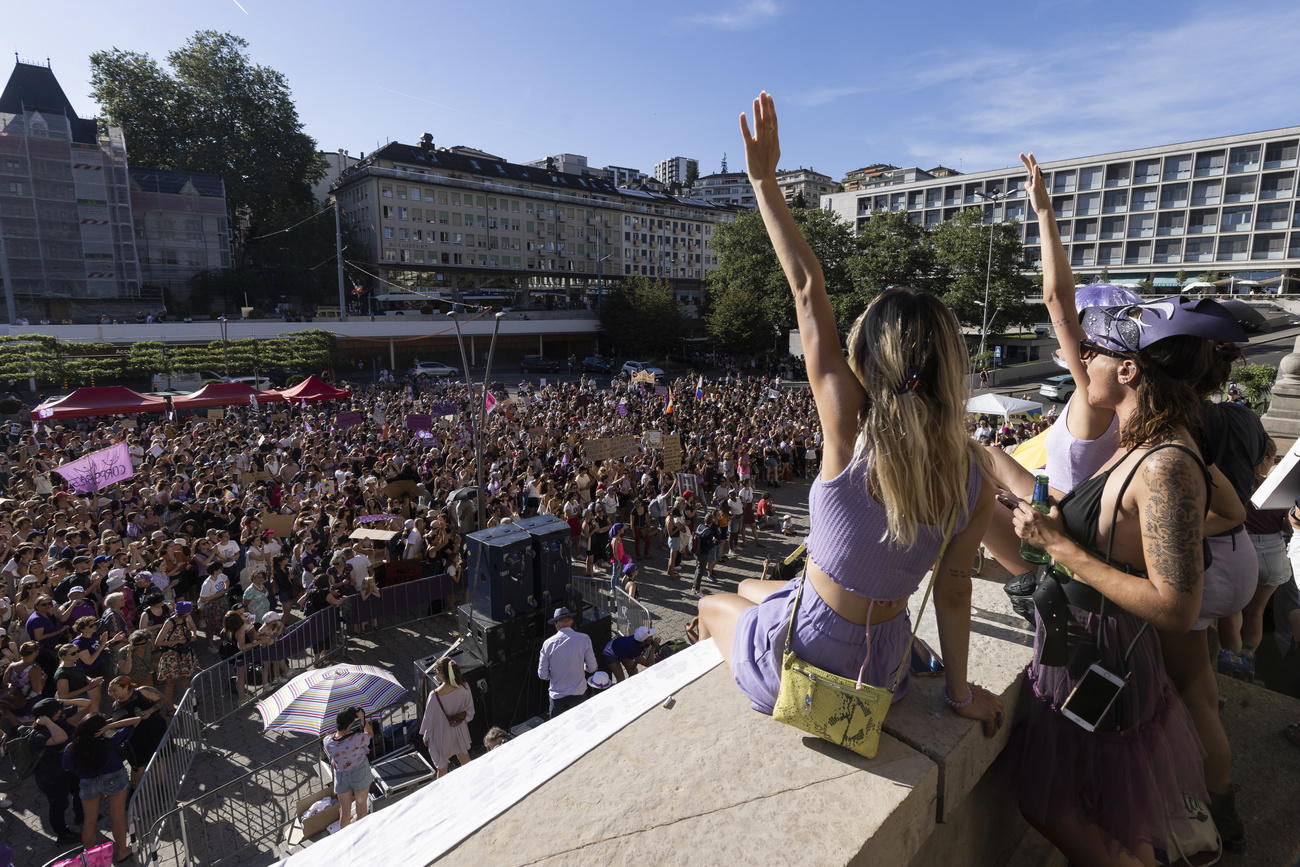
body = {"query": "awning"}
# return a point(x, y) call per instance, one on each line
point(225, 394)
point(312, 389)
point(1000, 404)
point(1166, 281)
point(91, 402)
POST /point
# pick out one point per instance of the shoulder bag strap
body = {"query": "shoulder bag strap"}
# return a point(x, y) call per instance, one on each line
point(943, 549)
point(789, 629)
point(442, 706)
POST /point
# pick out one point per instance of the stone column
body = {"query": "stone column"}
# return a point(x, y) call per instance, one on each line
point(1283, 417)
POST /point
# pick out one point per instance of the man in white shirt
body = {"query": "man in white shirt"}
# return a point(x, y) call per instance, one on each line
point(227, 550)
point(565, 661)
point(414, 542)
point(361, 566)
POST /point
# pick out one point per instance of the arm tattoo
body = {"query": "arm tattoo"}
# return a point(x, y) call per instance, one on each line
point(1172, 519)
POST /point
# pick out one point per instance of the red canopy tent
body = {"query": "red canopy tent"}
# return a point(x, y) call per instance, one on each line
point(224, 394)
point(312, 389)
point(90, 402)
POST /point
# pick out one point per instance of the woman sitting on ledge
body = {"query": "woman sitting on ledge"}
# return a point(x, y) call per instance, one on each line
point(895, 459)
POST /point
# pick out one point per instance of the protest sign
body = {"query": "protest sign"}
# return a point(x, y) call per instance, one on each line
point(672, 453)
point(446, 408)
point(348, 419)
point(282, 525)
point(277, 417)
point(610, 447)
point(418, 421)
point(214, 414)
point(98, 470)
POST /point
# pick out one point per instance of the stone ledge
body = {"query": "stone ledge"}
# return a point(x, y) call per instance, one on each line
point(711, 781)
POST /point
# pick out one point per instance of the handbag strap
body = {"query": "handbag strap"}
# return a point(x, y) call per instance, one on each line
point(943, 548)
point(440, 704)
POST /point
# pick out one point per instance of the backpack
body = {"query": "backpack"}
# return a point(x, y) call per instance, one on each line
point(23, 752)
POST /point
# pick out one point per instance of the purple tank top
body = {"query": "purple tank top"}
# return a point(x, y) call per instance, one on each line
point(847, 536)
point(1071, 460)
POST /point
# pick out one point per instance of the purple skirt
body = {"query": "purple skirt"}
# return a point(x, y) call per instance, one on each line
point(1129, 783)
point(821, 637)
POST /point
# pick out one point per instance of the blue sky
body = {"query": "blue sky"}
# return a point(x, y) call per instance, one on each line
point(965, 84)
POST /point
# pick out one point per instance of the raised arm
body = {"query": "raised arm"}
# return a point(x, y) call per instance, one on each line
point(839, 396)
point(1083, 420)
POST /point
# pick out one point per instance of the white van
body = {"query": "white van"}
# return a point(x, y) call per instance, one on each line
point(187, 382)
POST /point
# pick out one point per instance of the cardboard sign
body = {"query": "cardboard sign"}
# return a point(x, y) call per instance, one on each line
point(216, 414)
point(654, 439)
point(346, 420)
point(672, 452)
point(373, 535)
point(404, 488)
point(254, 478)
point(610, 447)
point(418, 421)
point(282, 525)
point(277, 417)
point(644, 376)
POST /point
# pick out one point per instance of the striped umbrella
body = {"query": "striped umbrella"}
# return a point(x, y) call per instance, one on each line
point(310, 702)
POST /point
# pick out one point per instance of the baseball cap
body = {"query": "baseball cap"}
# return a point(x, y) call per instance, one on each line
point(643, 633)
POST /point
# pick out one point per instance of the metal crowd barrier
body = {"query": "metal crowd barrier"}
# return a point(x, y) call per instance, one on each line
point(628, 613)
point(301, 647)
point(255, 810)
point(162, 778)
point(399, 604)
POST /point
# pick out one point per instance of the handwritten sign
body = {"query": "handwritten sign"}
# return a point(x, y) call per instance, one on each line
point(611, 447)
point(277, 417)
point(214, 414)
point(348, 419)
point(672, 452)
point(282, 525)
point(98, 470)
point(445, 408)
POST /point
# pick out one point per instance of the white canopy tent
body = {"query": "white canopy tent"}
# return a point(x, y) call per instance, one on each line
point(1000, 404)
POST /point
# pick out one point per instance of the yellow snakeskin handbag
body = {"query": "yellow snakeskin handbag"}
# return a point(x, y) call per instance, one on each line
point(834, 708)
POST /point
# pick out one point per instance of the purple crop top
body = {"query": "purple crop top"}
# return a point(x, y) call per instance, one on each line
point(1071, 460)
point(847, 537)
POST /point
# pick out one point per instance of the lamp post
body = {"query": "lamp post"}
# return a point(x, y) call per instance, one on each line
point(225, 350)
point(988, 272)
point(482, 409)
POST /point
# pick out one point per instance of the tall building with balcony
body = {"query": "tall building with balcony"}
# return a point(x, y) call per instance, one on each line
point(805, 184)
point(1221, 204)
point(435, 220)
point(67, 248)
point(726, 188)
point(675, 170)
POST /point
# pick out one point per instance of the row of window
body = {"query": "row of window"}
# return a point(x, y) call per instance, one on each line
point(1261, 247)
point(486, 260)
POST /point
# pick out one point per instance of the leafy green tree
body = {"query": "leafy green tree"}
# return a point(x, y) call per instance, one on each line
point(962, 260)
point(747, 260)
point(892, 251)
point(1256, 384)
point(643, 315)
point(739, 322)
point(214, 111)
point(692, 173)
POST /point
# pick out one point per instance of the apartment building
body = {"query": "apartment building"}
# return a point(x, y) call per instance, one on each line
point(676, 170)
point(67, 247)
point(726, 188)
point(806, 184)
point(335, 162)
point(1221, 204)
point(567, 164)
point(181, 226)
point(437, 220)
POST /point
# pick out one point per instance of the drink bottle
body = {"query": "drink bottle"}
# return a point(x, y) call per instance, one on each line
point(1028, 552)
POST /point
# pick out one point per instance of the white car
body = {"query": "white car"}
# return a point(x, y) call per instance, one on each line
point(261, 383)
point(434, 369)
point(631, 368)
point(1057, 388)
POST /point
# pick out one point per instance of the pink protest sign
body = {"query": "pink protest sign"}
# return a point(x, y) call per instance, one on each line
point(98, 470)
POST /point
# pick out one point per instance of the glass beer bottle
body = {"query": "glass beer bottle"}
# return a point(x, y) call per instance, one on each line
point(1028, 552)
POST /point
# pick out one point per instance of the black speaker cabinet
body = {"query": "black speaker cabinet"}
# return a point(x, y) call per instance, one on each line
point(598, 626)
point(505, 693)
point(500, 571)
point(551, 566)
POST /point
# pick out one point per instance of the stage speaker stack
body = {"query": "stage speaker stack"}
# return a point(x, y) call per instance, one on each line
point(551, 568)
point(500, 571)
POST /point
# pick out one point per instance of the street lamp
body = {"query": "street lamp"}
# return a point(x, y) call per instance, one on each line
point(225, 351)
point(482, 415)
point(988, 273)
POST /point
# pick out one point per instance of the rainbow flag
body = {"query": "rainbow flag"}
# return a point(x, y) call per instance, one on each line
point(699, 388)
point(669, 408)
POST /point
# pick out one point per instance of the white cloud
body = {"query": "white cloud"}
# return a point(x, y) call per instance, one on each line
point(748, 15)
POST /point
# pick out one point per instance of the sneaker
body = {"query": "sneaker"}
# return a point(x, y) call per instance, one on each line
point(1238, 664)
point(1224, 810)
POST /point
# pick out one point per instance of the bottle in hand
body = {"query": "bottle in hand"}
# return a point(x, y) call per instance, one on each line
point(1028, 552)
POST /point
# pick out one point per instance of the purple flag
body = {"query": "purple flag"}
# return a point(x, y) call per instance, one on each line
point(98, 470)
point(348, 419)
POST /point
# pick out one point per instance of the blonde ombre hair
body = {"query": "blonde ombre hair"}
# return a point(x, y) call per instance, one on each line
point(907, 351)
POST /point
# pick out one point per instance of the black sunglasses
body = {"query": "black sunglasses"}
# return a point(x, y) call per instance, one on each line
point(1088, 350)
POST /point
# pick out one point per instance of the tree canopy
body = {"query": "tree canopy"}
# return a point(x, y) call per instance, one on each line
point(642, 315)
point(213, 111)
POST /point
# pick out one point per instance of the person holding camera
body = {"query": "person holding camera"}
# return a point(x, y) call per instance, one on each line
point(347, 749)
point(449, 708)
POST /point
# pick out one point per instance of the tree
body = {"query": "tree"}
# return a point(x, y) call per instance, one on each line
point(692, 172)
point(746, 259)
point(892, 251)
point(739, 322)
point(962, 262)
point(1182, 276)
point(643, 315)
point(215, 111)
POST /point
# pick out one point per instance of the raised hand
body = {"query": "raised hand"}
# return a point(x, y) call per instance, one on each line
point(763, 148)
point(1035, 188)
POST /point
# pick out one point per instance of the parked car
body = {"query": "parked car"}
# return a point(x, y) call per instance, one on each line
point(434, 369)
point(1058, 388)
point(538, 364)
point(595, 364)
point(261, 383)
point(633, 367)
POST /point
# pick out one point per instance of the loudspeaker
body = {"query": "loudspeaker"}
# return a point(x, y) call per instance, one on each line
point(499, 571)
point(495, 640)
point(551, 566)
point(598, 626)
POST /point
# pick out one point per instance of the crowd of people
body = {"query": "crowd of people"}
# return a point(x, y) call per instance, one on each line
point(233, 529)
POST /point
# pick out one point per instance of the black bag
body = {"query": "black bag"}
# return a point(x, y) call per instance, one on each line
point(1021, 590)
point(23, 752)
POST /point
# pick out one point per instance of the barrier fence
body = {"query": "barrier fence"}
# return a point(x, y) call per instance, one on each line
point(399, 604)
point(161, 781)
point(627, 612)
point(253, 812)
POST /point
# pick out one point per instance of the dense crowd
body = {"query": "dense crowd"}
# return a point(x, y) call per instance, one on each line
point(113, 600)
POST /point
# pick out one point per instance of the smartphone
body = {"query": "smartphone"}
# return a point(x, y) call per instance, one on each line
point(1092, 697)
point(1008, 500)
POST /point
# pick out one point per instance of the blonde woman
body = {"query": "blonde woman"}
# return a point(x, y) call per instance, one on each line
point(895, 459)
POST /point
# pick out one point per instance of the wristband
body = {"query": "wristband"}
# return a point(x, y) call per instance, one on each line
point(958, 705)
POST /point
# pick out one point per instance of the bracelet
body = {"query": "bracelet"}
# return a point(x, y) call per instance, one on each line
point(958, 705)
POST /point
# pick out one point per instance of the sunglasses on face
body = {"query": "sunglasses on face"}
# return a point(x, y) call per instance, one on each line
point(1088, 350)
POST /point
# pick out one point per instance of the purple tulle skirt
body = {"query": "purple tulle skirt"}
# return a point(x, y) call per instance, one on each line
point(821, 637)
point(1128, 782)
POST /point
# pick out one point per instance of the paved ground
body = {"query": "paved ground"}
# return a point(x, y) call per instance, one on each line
point(239, 744)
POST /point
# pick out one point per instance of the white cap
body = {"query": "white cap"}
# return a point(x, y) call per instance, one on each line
point(599, 680)
point(643, 633)
point(270, 617)
point(116, 578)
